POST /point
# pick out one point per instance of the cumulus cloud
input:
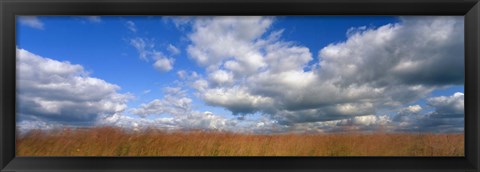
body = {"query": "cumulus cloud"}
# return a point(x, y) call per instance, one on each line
point(178, 106)
point(23, 126)
point(253, 71)
point(442, 114)
point(195, 120)
point(446, 115)
point(137, 124)
point(175, 103)
point(416, 51)
point(221, 77)
point(448, 107)
point(367, 123)
point(162, 63)
point(53, 91)
point(31, 21)
point(236, 99)
point(217, 39)
point(187, 75)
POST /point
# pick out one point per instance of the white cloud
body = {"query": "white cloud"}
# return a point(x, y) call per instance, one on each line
point(138, 124)
point(142, 47)
point(94, 19)
point(200, 85)
point(221, 77)
point(236, 99)
point(451, 106)
point(178, 105)
point(175, 102)
point(443, 114)
point(414, 108)
point(283, 57)
point(192, 121)
point(131, 26)
point(446, 114)
point(182, 74)
point(180, 22)
point(367, 123)
point(146, 51)
point(169, 105)
point(276, 82)
point(216, 39)
point(173, 50)
point(410, 52)
point(24, 126)
point(251, 70)
point(163, 64)
point(31, 21)
point(55, 91)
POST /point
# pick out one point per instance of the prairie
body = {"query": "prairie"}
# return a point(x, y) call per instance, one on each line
point(107, 141)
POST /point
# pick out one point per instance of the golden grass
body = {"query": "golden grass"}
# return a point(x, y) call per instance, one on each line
point(108, 141)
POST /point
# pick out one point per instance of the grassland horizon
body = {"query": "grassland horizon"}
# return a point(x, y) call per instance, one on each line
point(108, 141)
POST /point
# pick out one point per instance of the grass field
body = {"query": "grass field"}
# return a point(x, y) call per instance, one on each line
point(115, 142)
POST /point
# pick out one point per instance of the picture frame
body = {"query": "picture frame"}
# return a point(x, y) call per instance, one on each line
point(12, 8)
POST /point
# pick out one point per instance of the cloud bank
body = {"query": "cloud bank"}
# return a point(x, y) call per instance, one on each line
point(61, 92)
point(254, 71)
point(373, 80)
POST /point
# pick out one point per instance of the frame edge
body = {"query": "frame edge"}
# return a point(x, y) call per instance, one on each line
point(7, 89)
point(472, 37)
point(6, 155)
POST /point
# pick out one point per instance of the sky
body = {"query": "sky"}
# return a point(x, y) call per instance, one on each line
point(246, 74)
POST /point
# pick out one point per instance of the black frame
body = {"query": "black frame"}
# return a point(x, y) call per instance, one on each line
point(10, 8)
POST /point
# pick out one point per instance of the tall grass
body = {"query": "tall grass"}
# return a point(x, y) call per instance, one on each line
point(108, 141)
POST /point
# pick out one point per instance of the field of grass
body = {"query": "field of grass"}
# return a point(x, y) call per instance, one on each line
point(115, 142)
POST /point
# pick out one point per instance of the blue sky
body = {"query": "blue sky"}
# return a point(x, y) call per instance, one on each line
point(229, 72)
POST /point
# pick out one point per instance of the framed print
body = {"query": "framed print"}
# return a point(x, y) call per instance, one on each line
point(252, 85)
